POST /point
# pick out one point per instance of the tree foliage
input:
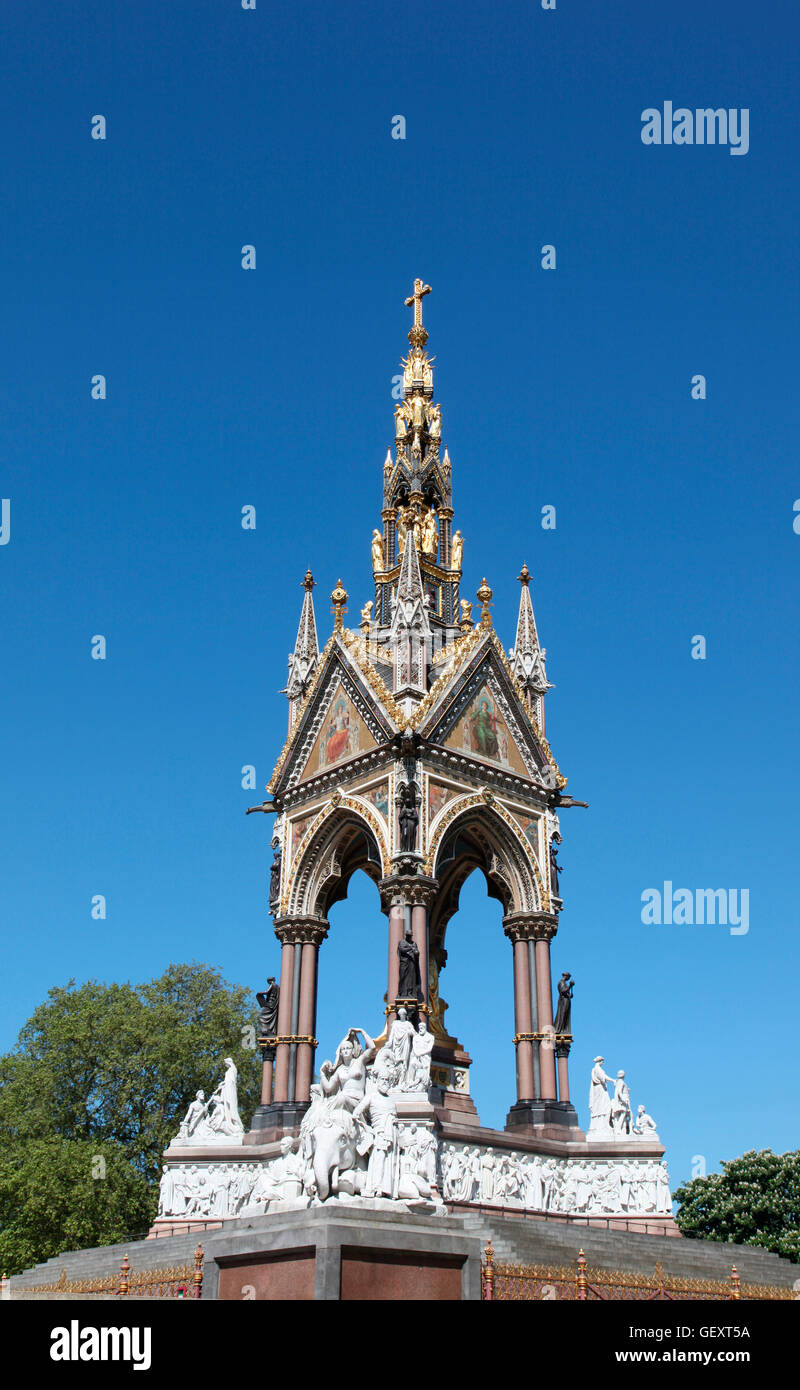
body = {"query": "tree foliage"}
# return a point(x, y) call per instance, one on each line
point(755, 1200)
point(110, 1069)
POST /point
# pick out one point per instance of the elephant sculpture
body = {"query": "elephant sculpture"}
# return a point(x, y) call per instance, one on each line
point(329, 1143)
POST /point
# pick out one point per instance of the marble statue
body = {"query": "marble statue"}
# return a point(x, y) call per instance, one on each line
point(397, 1048)
point(621, 1106)
point(563, 1018)
point(644, 1124)
point(378, 1114)
point(377, 550)
point(193, 1118)
point(599, 1100)
point(418, 1067)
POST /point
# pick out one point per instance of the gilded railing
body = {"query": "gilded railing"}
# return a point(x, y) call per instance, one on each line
point(168, 1281)
point(522, 1283)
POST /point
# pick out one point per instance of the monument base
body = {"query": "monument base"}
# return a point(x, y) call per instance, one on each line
point(271, 1121)
point(559, 1115)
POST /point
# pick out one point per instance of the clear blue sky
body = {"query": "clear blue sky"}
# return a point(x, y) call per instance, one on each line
point(273, 388)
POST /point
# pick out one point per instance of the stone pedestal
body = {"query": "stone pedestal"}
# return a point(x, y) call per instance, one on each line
point(557, 1116)
point(344, 1254)
point(271, 1121)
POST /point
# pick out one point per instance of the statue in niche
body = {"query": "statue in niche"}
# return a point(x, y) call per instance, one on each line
point(555, 868)
point(377, 550)
point(275, 877)
point(429, 536)
point(409, 982)
point(408, 818)
point(621, 1106)
point(564, 1011)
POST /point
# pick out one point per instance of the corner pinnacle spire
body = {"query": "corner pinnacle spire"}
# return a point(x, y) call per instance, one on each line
point(303, 660)
point(528, 660)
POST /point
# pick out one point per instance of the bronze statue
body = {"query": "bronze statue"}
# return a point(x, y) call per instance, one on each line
point(409, 982)
point(555, 868)
point(275, 878)
point(564, 1011)
point(409, 819)
point(268, 1011)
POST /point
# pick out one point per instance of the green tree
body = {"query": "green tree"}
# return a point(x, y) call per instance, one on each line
point(755, 1200)
point(115, 1065)
point(67, 1194)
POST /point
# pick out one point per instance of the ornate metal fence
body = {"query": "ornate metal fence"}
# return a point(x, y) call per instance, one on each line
point(168, 1281)
point(582, 1283)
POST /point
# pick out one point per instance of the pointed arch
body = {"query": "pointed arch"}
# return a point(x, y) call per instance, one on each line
point(345, 836)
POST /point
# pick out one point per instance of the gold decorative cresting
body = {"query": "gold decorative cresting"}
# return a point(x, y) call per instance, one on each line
point(484, 596)
point(338, 599)
point(418, 336)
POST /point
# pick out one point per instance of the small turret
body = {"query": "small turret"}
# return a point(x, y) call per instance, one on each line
point(303, 660)
point(527, 661)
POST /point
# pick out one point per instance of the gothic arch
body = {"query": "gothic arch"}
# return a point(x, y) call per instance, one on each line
point(480, 834)
point(345, 837)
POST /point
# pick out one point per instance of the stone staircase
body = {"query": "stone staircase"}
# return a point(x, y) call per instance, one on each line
point(546, 1242)
point(106, 1259)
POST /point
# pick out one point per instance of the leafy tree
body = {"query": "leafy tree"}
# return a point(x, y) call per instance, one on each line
point(755, 1200)
point(113, 1065)
point(67, 1194)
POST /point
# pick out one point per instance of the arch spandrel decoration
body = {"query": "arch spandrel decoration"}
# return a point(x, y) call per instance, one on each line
point(509, 855)
point(319, 861)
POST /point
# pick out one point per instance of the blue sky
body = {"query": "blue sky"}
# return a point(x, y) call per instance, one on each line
point(273, 388)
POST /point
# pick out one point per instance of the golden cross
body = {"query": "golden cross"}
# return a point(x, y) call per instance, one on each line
point(416, 299)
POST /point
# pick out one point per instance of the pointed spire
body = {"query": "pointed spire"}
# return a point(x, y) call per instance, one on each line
point(528, 657)
point(303, 660)
point(410, 608)
point(410, 635)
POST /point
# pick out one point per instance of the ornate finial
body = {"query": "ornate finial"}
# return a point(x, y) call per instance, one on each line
point(525, 576)
point(418, 335)
point(308, 581)
point(484, 596)
point(338, 599)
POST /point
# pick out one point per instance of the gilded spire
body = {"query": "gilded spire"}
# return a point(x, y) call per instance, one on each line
point(418, 335)
point(304, 658)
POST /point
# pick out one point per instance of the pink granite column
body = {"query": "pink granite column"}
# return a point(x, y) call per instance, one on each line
point(305, 1025)
point(562, 1053)
point(396, 920)
point(266, 1081)
point(284, 1022)
point(544, 994)
point(419, 932)
point(522, 1019)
